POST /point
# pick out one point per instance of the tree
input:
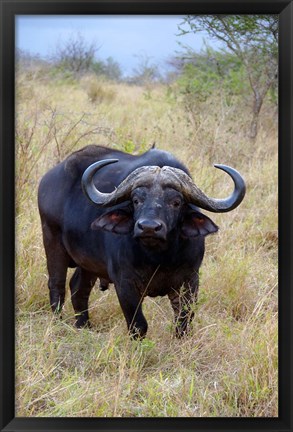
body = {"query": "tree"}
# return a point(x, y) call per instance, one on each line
point(75, 55)
point(112, 69)
point(108, 68)
point(201, 74)
point(145, 72)
point(254, 40)
point(26, 61)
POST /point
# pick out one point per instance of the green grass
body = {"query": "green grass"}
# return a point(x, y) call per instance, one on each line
point(227, 366)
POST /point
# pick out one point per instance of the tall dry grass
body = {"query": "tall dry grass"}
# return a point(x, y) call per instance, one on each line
point(227, 366)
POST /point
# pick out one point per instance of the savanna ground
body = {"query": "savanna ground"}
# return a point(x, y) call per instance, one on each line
point(227, 366)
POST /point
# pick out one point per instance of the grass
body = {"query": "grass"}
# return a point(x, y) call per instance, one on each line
point(227, 366)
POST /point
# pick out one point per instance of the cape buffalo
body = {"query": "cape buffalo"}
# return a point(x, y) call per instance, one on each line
point(133, 221)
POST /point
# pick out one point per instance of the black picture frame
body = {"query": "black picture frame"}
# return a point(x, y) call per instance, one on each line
point(8, 10)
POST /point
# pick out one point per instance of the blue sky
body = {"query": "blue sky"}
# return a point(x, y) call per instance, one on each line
point(126, 38)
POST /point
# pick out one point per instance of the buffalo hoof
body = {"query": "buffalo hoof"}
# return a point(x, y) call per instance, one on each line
point(138, 333)
point(104, 284)
point(181, 332)
point(82, 322)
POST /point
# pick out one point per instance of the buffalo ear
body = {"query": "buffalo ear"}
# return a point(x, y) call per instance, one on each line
point(195, 224)
point(116, 221)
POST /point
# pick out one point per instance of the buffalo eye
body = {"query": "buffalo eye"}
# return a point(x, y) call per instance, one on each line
point(176, 203)
point(136, 201)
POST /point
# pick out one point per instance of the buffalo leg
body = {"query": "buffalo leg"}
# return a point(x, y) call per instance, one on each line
point(57, 263)
point(81, 285)
point(104, 284)
point(182, 302)
point(130, 302)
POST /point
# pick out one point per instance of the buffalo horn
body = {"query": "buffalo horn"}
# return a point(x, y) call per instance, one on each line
point(195, 196)
point(139, 177)
point(170, 176)
point(87, 182)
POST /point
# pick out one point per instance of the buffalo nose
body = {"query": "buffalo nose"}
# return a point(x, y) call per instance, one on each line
point(149, 225)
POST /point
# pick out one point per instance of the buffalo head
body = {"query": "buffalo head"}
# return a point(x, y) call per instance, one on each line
point(153, 202)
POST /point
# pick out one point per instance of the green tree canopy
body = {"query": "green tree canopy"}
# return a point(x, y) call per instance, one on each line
point(254, 40)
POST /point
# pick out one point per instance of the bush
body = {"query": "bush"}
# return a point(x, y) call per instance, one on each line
point(98, 90)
